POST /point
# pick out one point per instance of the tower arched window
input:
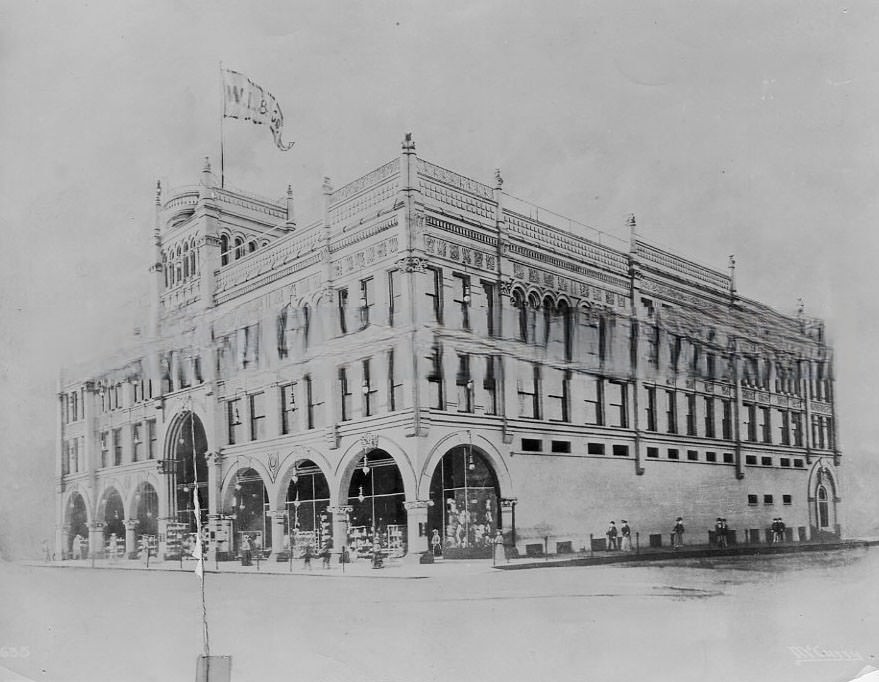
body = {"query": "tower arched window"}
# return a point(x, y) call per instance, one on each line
point(178, 267)
point(306, 326)
point(192, 261)
point(823, 508)
point(251, 247)
point(521, 307)
point(224, 250)
point(186, 260)
point(165, 268)
point(239, 247)
point(547, 310)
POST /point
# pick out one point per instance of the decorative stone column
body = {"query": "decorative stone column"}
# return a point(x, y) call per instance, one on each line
point(416, 528)
point(278, 518)
point(96, 540)
point(340, 526)
point(130, 542)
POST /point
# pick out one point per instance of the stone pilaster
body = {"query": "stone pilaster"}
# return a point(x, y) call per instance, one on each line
point(130, 538)
point(416, 528)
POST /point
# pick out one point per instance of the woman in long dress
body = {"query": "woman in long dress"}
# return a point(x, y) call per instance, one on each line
point(499, 554)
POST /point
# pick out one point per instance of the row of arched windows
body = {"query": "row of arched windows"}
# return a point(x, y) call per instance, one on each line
point(233, 248)
point(180, 264)
point(544, 323)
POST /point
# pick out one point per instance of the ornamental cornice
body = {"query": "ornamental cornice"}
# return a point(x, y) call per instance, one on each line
point(465, 255)
point(413, 264)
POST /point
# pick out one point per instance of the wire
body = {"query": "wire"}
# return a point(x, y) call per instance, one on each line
point(204, 609)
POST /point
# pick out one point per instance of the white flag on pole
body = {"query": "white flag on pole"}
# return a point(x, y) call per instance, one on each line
point(248, 101)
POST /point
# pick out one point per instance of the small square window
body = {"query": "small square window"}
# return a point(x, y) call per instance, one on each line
point(620, 450)
point(693, 455)
point(673, 453)
point(653, 452)
point(785, 461)
point(766, 461)
point(532, 445)
point(751, 459)
point(786, 499)
point(710, 456)
point(595, 448)
point(728, 458)
point(561, 446)
point(798, 464)
point(767, 499)
point(752, 499)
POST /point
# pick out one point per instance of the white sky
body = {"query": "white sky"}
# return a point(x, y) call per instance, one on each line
point(726, 127)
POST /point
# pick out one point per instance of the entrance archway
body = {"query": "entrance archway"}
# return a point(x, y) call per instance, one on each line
point(190, 475)
point(376, 497)
point(466, 509)
point(114, 523)
point(308, 496)
point(250, 510)
point(77, 522)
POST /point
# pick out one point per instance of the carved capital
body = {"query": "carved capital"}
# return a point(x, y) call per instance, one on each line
point(417, 504)
point(412, 264)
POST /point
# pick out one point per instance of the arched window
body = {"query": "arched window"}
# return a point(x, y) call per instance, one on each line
point(165, 268)
point(186, 260)
point(564, 330)
point(192, 268)
point(239, 247)
point(224, 250)
point(521, 307)
point(547, 321)
point(251, 247)
point(306, 326)
point(823, 508)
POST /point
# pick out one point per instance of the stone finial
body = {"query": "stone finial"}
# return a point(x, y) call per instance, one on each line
point(158, 192)
point(801, 308)
point(498, 180)
point(206, 179)
point(328, 185)
point(631, 223)
point(732, 274)
point(290, 213)
point(206, 168)
point(408, 143)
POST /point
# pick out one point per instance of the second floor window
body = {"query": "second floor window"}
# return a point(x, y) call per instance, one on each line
point(233, 420)
point(288, 408)
point(464, 382)
point(367, 300)
point(394, 301)
point(617, 404)
point(395, 386)
point(117, 447)
point(105, 448)
point(488, 289)
point(593, 400)
point(151, 438)
point(136, 442)
point(490, 384)
point(650, 409)
point(369, 391)
point(528, 388)
point(671, 412)
point(726, 421)
point(435, 379)
point(257, 416)
point(344, 395)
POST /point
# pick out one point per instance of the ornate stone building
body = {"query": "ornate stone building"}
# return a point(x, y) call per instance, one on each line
point(430, 362)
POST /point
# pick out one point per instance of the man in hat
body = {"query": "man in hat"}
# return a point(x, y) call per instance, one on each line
point(626, 539)
point(678, 534)
point(611, 534)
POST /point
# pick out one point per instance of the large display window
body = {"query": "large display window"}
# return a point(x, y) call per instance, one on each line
point(250, 510)
point(308, 521)
point(465, 512)
point(377, 521)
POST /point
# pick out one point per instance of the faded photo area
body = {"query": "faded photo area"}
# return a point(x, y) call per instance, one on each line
point(438, 343)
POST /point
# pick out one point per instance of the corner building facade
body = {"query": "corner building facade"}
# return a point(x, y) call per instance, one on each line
point(430, 364)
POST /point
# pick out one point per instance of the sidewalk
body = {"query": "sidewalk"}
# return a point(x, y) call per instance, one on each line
point(647, 554)
point(407, 568)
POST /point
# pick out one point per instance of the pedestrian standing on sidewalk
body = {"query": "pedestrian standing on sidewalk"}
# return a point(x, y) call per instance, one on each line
point(307, 557)
point(611, 534)
point(626, 537)
point(781, 528)
point(499, 553)
point(436, 543)
point(722, 540)
point(678, 534)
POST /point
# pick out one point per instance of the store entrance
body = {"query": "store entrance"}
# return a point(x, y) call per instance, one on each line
point(77, 522)
point(308, 522)
point(378, 517)
point(465, 512)
point(190, 473)
point(250, 511)
point(114, 525)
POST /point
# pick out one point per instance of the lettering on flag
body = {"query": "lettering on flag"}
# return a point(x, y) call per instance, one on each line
point(243, 99)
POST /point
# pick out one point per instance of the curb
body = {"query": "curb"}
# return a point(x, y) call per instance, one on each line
point(705, 552)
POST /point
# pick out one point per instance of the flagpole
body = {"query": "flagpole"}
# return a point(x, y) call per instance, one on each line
point(222, 116)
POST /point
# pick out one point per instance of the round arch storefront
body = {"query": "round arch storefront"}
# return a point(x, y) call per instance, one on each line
point(112, 514)
point(186, 447)
point(76, 522)
point(247, 505)
point(306, 504)
point(376, 496)
point(466, 512)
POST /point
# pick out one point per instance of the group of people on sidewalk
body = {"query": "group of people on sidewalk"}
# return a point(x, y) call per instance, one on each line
point(619, 539)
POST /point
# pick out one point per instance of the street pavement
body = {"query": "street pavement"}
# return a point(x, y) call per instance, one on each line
point(805, 617)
